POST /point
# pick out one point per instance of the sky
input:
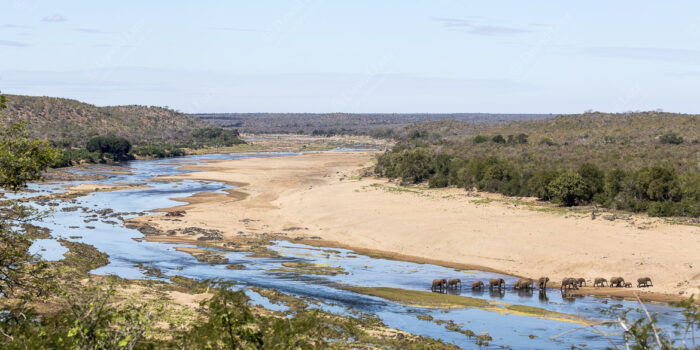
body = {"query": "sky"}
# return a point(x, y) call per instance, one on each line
point(359, 56)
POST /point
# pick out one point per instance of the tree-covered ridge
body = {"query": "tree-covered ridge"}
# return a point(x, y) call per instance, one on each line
point(378, 125)
point(644, 162)
point(70, 123)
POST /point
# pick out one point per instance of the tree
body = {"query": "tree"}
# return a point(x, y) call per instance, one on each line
point(593, 177)
point(118, 146)
point(538, 184)
point(657, 184)
point(568, 188)
point(498, 139)
point(21, 160)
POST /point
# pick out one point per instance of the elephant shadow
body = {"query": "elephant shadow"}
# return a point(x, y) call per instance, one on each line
point(497, 293)
point(525, 293)
point(570, 298)
point(454, 291)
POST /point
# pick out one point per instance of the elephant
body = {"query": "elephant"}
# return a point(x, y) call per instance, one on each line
point(617, 282)
point(453, 282)
point(599, 282)
point(644, 282)
point(497, 282)
point(439, 283)
point(581, 282)
point(628, 285)
point(569, 283)
point(543, 282)
point(477, 285)
point(524, 283)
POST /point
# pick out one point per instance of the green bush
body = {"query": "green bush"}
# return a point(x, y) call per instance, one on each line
point(538, 184)
point(480, 139)
point(671, 138)
point(116, 146)
point(568, 188)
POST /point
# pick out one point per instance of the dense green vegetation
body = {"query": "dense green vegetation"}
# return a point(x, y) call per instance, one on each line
point(638, 162)
point(101, 149)
point(116, 147)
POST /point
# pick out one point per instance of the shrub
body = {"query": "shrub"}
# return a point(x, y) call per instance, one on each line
point(498, 139)
point(657, 183)
point(438, 181)
point(538, 184)
point(546, 141)
point(671, 138)
point(568, 188)
point(480, 139)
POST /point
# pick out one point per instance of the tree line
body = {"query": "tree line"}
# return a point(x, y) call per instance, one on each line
point(110, 147)
point(657, 190)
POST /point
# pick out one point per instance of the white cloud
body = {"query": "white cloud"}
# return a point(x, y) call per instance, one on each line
point(477, 26)
point(12, 43)
point(54, 19)
point(647, 53)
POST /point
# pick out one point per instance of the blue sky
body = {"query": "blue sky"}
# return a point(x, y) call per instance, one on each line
point(357, 56)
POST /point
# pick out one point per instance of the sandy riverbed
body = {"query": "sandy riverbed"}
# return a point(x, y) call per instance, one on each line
point(320, 195)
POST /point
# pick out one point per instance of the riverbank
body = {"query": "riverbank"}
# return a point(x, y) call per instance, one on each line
point(321, 198)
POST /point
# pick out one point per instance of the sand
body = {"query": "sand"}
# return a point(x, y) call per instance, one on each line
point(320, 194)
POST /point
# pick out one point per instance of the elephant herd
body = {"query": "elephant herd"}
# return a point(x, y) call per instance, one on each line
point(619, 282)
point(442, 284)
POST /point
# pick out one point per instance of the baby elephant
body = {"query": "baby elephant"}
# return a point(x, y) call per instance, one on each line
point(581, 282)
point(543, 283)
point(599, 282)
point(439, 284)
point(644, 282)
point(497, 282)
point(524, 283)
point(617, 282)
point(477, 285)
point(569, 283)
point(454, 282)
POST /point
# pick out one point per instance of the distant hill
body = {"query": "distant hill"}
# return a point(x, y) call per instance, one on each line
point(71, 123)
point(610, 140)
point(377, 124)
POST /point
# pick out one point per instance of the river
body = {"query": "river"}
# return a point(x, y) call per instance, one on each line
point(125, 253)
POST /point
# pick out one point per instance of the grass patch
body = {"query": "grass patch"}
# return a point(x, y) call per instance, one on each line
point(310, 269)
point(531, 310)
point(82, 257)
point(421, 298)
point(482, 201)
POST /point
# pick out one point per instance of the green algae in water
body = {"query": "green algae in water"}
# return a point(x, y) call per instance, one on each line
point(235, 266)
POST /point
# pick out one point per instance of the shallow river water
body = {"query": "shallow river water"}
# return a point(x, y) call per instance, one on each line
point(507, 330)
